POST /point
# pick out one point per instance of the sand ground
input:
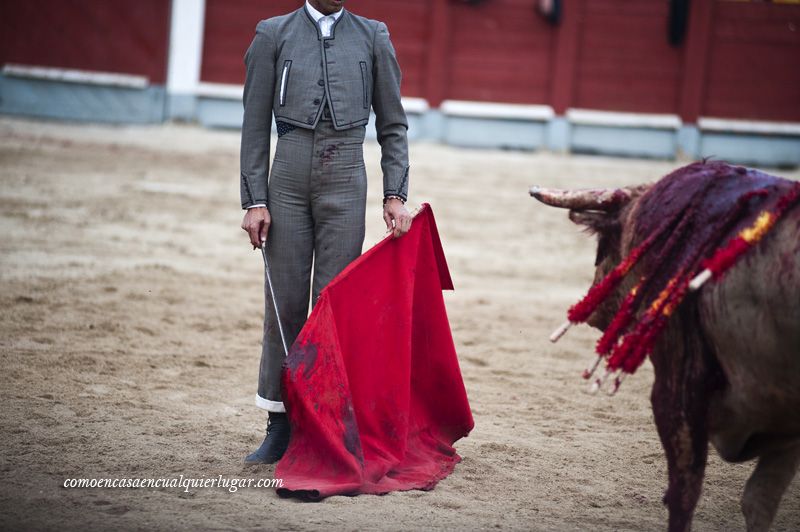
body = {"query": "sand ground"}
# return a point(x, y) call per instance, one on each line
point(130, 309)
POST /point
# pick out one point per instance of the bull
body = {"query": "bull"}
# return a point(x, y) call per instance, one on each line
point(727, 365)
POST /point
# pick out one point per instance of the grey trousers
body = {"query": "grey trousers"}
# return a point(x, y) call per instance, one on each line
point(317, 201)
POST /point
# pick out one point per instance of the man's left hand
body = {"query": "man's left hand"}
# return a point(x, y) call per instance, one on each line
point(397, 217)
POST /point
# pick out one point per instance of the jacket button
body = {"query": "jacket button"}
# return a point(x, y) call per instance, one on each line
point(316, 101)
point(327, 44)
point(310, 121)
point(321, 83)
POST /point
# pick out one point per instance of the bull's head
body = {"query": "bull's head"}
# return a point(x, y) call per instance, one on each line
point(603, 212)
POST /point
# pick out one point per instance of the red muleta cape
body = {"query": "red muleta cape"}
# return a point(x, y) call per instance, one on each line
point(372, 385)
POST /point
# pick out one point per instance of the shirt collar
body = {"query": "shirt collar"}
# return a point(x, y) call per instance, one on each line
point(316, 15)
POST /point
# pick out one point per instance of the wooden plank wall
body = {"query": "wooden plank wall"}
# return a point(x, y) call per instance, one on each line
point(229, 29)
point(100, 35)
point(625, 62)
point(230, 26)
point(754, 65)
point(411, 28)
point(740, 59)
point(501, 50)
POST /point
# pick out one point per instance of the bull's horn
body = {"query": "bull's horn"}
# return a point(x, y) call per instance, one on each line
point(597, 199)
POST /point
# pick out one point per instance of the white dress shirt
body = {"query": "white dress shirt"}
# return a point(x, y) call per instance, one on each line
point(325, 24)
point(325, 21)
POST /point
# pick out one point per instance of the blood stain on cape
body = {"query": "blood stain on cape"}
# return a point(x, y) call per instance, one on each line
point(305, 355)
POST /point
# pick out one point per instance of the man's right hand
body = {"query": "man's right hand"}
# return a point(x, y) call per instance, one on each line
point(256, 223)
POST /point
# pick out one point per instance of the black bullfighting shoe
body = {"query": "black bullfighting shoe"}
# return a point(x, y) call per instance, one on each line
point(276, 442)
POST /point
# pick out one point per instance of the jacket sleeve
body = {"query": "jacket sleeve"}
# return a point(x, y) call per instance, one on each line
point(259, 89)
point(390, 118)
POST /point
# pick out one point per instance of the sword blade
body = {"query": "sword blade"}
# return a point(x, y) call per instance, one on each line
point(272, 293)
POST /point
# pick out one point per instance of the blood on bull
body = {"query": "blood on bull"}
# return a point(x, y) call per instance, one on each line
point(700, 271)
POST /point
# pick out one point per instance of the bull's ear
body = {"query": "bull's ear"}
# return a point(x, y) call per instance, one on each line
point(594, 221)
point(603, 224)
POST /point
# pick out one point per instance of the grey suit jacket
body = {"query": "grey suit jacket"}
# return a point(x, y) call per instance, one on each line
point(292, 71)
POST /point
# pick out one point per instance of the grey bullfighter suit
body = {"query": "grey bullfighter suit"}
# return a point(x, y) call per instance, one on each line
point(320, 90)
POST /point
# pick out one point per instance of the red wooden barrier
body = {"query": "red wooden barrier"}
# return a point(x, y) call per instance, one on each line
point(696, 60)
point(625, 62)
point(411, 27)
point(437, 71)
point(500, 51)
point(230, 25)
point(562, 89)
point(740, 59)
point(754, 63)
point(121, 37)
point(229, 28)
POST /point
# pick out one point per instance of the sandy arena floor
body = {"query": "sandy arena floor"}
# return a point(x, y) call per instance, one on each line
point(130, 310)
